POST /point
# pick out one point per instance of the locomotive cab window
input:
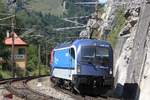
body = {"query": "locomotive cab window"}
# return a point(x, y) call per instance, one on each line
point(72, 53)
point(72, 57)
point(102, 51)
point(102, 54)
point(88, 52)
point(95, 55)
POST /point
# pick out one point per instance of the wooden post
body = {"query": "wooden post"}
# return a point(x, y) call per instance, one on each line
point(13, 49)
point(46, 54)
point(39, 58)
point(13, 41)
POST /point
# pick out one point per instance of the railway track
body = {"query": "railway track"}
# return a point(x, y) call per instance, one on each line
point(19, 88)
point(85, 96)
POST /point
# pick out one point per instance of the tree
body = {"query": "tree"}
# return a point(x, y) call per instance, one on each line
point(3, 49)
point(4, 52)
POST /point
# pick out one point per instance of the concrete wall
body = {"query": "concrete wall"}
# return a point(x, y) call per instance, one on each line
point(145, 73)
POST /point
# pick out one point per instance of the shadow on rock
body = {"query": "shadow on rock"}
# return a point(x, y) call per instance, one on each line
point(128, 91)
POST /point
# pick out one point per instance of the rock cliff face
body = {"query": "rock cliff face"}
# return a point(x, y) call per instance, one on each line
point(132, 66)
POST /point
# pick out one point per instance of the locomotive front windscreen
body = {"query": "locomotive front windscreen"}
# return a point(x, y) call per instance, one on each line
point(102, 51)
point(95, 55)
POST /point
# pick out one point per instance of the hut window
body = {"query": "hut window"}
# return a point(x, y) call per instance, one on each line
point(21, 51)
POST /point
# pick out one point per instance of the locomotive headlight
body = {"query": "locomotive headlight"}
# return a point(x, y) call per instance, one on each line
point(78, 69)
point(110, 72)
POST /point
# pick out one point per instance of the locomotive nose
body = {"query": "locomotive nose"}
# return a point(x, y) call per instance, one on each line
point(93, 70)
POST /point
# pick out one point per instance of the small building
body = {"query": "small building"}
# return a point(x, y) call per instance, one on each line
point(20, 50)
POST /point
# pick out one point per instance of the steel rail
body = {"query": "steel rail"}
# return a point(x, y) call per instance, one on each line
point(20, 88)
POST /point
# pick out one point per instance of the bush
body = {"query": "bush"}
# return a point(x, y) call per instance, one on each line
point(120, 20)
point(5, 74)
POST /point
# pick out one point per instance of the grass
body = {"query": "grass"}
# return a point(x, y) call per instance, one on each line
point(5, 74)
point(53, 7)
point(120, 20)
point(45, 70)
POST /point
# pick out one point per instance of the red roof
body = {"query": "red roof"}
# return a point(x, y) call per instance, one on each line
point(17, 41)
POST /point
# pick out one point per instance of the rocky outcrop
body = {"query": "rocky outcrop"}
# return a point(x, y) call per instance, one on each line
point(132, 66)
point(122, 63)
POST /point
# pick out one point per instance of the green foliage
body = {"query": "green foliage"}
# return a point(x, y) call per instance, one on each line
point(53, 7)
point(2, 7)
point(32, 57)
point(32, 66)
point(4, 52)
point(20, 72)
point(2, 10)
point(120, 20)
point(45, 16)
point(42, 22)
point(77, 10)
point(44, 70)
point(4, 73)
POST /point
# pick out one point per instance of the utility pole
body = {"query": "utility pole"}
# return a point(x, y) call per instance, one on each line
point(39, 58)
point(13, 41)
point(46, 54)
point(13, 47)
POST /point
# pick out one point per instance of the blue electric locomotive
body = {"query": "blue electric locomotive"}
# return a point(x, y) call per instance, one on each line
point(83, 61)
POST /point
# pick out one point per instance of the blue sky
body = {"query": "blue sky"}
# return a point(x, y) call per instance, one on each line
point(102, 1)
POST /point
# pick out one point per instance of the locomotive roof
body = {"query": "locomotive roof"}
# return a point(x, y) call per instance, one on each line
point(83, 42)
